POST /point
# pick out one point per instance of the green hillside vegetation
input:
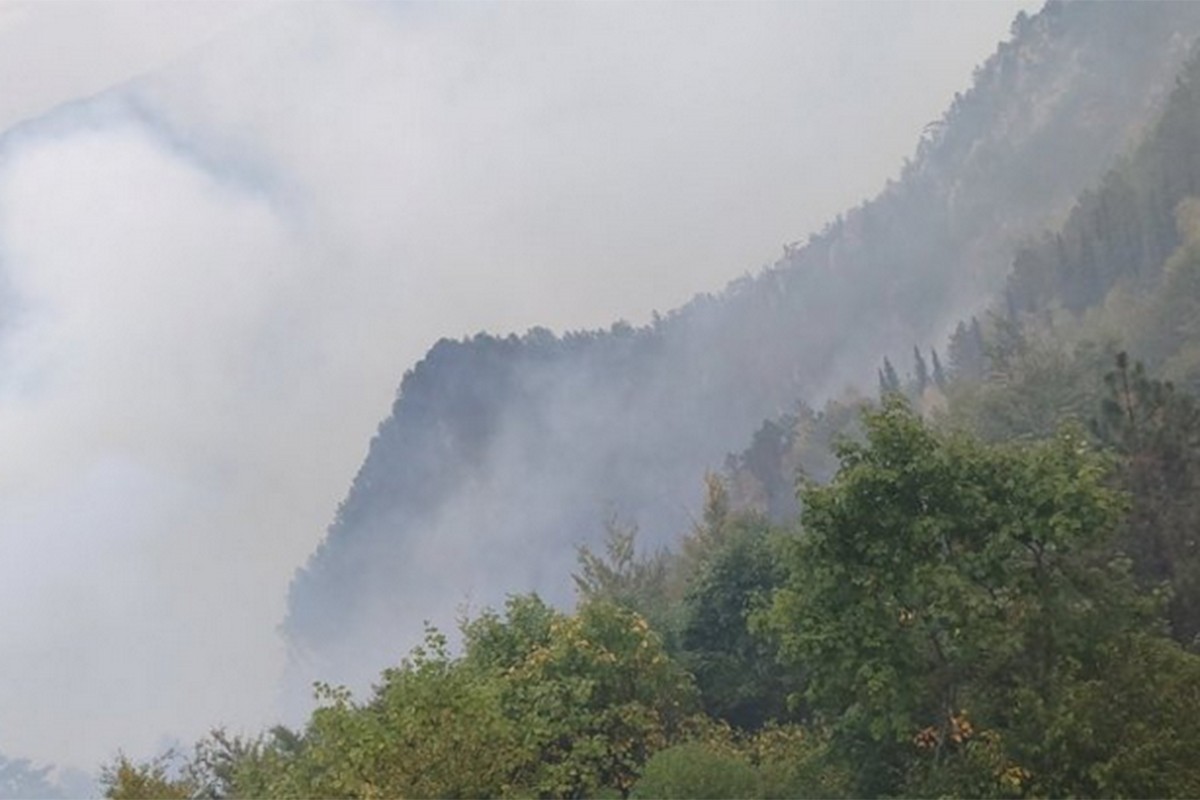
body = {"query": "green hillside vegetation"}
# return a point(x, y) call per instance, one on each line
point(984, 582)
point(950, 617)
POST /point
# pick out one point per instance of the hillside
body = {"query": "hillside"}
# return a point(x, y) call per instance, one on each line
point(989, 588)
point(503, 454)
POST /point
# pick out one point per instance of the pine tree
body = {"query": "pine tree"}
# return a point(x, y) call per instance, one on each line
point(939, 374)
point(889, 381)
point(922, 370)
point(1156, 431)
point(968, 357)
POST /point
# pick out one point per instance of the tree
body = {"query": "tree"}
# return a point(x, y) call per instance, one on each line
point(433, 728)
point(125, 779)
point(1032, 390)
point(1156, 432)
point(540, 703)
point(968, 352)
point(889, 381)
point(639, 582)
point(939, 374)
point(922, 371)
point(695, 770)
point(942, 588)
point(736, 668)
point(779, 761)
point(594, 701)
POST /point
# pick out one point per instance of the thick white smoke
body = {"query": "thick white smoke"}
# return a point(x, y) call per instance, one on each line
point(213, 276)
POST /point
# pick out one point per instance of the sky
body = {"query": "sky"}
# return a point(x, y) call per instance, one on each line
point(227, 229)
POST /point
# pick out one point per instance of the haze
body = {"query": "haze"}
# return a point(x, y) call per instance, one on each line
point(227, 230)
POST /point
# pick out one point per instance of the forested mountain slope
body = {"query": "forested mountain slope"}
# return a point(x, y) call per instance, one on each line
point(501, 455)
point(1118, 275)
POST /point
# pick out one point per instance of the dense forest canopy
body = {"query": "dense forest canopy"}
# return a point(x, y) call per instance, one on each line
point(951, 617)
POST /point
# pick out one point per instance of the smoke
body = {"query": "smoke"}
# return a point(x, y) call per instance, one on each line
point(215, 273)
point(156, 415)
point(51, 53)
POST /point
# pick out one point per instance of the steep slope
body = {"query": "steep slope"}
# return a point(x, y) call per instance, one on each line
point(1119, 274)
point(503, 454)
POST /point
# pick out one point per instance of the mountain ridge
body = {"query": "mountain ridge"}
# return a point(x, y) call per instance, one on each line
point(502, 454)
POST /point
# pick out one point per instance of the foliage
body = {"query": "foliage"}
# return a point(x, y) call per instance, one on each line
point(595, 701)
point(796, 446)
point(432, 729)
point(696, 770)
point(736, 669)
point(776, 762)
point(640, 583)
point(1126, 730)
point(125, 779)
point(540, 703)
point(943, 586)
point(953, 618)
point(1036, 384)
point(1156, 430)
point(526, 434)
point(1122, 232)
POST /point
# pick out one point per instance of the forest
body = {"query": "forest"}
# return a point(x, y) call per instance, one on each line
point(498, 446)
point(949, 617)
point(982, 580)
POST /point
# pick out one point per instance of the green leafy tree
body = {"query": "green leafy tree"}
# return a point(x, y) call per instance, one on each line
point(736, 668)
point(595, 701)
point(696, 770)
point(434, 728)
point(224, 765)
point(786, 761)
point(1127, 728)
point(943, 587)
point(125, 779)
point(540, 703)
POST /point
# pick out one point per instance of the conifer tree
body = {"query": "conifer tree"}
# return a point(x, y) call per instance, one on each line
point(939, 374)
point(889, 381)
point(922, 370)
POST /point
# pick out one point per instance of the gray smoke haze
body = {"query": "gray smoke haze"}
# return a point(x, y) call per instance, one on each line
point(226, 231)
